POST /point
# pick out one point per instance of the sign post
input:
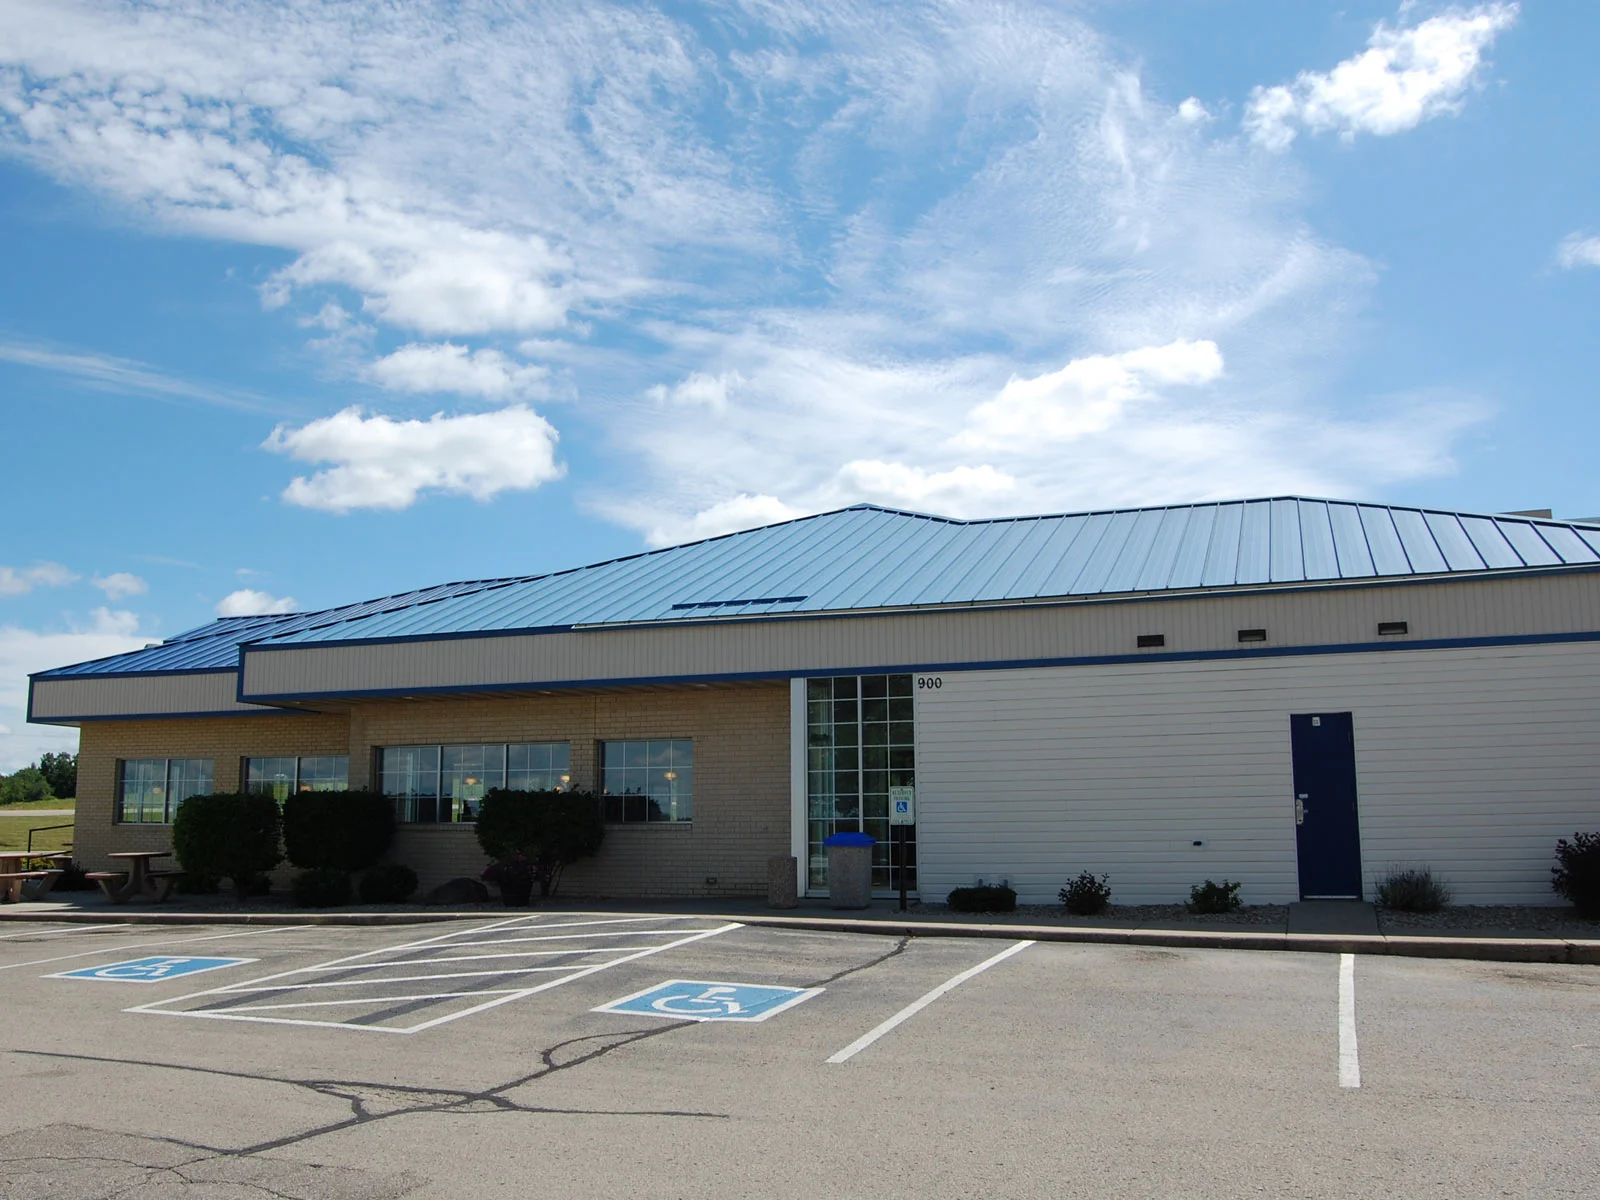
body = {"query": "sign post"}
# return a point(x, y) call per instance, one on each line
point(902, 813)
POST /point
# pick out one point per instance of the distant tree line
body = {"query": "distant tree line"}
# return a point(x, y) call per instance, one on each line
point(53, 777)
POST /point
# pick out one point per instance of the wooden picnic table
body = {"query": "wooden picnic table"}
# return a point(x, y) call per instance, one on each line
point(140, 879)
point(13, 877)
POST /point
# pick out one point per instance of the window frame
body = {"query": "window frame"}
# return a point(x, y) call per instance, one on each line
point(602, 769)
point(443, 802)
point(299, 767)
point(168, 809)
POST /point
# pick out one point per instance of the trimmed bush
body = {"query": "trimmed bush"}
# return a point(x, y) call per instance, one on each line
point(231, 835)
point(388, 883)
point(983, 899)
point(1088, 895)
point(1576, 875)
point(1413, 889)
point(192, 883)
point(553, 829)
point(1211, 897)
point(320, 887)
point(343, 831)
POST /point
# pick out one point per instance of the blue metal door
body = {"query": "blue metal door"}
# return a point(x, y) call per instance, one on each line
point(1327, 835)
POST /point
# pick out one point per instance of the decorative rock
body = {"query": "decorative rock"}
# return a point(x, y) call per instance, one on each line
point(782, 883)
point(458, 891)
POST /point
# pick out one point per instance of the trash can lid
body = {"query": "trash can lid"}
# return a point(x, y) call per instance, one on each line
point(851, 839)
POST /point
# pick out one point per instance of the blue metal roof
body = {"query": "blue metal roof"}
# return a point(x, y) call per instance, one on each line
point(866, 557)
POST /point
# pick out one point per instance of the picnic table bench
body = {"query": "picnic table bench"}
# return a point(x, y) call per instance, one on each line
point(139, 880)
point(14, 876)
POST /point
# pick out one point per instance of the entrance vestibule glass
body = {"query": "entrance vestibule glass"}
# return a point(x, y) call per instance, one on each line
point(860, 742)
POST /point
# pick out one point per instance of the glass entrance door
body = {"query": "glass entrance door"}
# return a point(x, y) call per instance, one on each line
point(860, 742)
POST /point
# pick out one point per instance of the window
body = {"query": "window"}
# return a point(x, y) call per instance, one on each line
point(151, 789)
point(860, 742)
point(446, 783)
point(647, 781)
point(282, 775)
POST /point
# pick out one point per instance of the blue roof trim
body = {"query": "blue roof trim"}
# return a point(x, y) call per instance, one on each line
point(1533, 639)
point(867, 558)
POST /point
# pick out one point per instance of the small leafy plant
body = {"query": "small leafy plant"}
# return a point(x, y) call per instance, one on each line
point(1088, 895)
point(1211, 897)
point(1413, 889)
point(320, 887)
point(388, 883)
point(1576, 875)
point(984, 898)
point(228, 835)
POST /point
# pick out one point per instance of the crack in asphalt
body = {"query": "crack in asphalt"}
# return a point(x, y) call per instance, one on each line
point(360, 1094)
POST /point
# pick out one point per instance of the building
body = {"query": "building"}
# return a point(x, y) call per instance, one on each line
point(1298, 694)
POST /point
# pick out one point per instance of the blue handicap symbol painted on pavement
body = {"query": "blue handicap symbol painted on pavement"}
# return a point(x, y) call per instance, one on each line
point(703, 1000)
point(155, 969)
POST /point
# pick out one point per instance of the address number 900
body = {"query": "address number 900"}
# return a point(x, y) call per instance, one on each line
point(929, 681)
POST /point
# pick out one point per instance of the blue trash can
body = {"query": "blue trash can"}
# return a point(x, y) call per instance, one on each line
point(850, 869)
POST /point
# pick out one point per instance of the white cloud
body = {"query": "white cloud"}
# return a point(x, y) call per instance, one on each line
point(1404, 77)
point(120, 584)
point(1088, 395)
point(24, 651)
point(384, 463)
point(957, 492)
point(247, 602)
point(1193, 112)
point(447, 367)
point(698, 389)
point(1576, 250)
point(17, 581)
point(726, 516)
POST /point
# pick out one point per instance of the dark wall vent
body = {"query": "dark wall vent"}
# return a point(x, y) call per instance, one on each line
point(1149, 641)
point(1390, 628)
point(1252, 635)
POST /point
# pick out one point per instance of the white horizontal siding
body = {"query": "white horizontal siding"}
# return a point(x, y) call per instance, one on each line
point(1471, 761)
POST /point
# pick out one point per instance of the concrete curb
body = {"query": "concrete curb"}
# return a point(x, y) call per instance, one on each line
point(1585, 952)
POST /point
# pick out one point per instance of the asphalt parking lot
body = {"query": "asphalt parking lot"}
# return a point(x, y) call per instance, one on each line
point(469, 1059)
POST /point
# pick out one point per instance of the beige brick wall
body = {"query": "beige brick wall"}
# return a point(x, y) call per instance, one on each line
point(224, 740)
point(741, 781)
point(741, 802)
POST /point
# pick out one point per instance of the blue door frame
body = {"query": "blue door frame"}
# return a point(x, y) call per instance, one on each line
point(1327, 831)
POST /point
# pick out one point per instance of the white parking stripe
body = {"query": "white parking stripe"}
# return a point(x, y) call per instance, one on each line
point(1349, 1061)
point(62, 932)
point(916, 1006)
point(460, 958)
point(498, 996)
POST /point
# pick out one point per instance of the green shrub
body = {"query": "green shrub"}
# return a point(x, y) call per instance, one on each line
point(388, 883)
point(320, 887)
point(193, 883)
point(1088, 895)
point(231, 835)
point(1211, 897)
point(1413, 889)
point(553, 829)
point(344, 831)
point(983, 899)
point(1576, 875)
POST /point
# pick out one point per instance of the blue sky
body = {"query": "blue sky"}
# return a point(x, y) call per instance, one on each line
point(308, 303)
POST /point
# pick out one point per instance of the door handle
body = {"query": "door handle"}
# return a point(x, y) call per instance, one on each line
point(1299, 811)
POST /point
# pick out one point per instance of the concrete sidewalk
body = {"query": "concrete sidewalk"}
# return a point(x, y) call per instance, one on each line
point(1344, 928)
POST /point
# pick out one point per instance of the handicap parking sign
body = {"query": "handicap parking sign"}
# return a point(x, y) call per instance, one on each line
point(155, 969)
point(702, 1000)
